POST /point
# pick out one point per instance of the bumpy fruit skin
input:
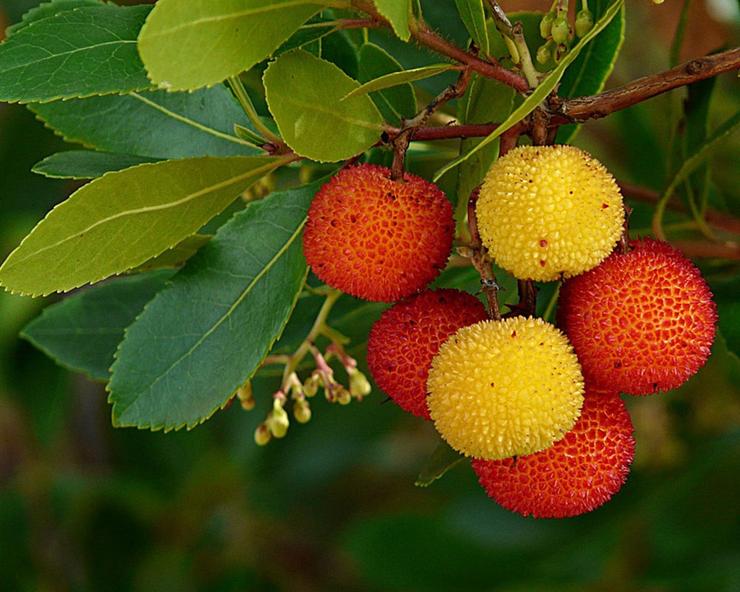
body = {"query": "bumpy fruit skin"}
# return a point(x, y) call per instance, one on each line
point(549, 211)
point(503, 388)
point(641, 322)
point(575, 475)
point(375, 238)
point(408, 335)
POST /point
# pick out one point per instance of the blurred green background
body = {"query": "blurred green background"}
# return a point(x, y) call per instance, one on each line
point(333, 506)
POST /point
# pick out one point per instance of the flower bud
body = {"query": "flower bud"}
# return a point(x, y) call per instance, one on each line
point(246, 396)
point(311, 386)
point(359, 386)
point(584, 22)
point(343, 396)
point(278, 420)
point(546, 24)
point(560, 29)
point(543, 53)
point(262, 435)
point(302, 411)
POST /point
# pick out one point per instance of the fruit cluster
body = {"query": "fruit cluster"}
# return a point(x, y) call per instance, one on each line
point(536, 407)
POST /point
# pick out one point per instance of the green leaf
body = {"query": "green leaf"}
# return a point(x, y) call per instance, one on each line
point(315, 29)
point(304, 94)
point(590, 71)
point(485, 101)
point(84, 164)
point(122, 219)
point(694, 160)
point(397, 12)
point(397, 78)
point(188, 45)
point(541, 92)
point(152, 124)
point(442, 460)
point(83, 331)
point(78, 53)
point(236, 295)
point(393, 103)
point(176, 256)
point(46, 10)
point(473, 15)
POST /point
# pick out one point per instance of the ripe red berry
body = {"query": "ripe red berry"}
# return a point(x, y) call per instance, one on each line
point(375, 238)
point(640, 322)
point(408, 335)
point(576, 474)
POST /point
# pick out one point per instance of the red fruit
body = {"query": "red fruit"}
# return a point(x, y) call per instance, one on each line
point(408, 335)
point(378, 239)
point(576, 474)
point(640, 322)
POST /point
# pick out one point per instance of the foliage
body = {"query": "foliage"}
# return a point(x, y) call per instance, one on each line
point(182, 127)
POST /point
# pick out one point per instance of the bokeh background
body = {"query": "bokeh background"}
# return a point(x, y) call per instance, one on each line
point(333, 506)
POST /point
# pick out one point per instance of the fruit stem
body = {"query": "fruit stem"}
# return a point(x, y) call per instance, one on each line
point(480, 260)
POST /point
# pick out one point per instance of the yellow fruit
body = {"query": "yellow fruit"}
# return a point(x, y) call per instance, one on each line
point(504, 388)
point(549, 211)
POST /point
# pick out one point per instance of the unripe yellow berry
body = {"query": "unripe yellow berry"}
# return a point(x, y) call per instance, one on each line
point(504, 388)
point(549, 211)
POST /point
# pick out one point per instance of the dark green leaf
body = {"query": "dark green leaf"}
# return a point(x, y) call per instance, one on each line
point(78, 53)
point(442, 460)
point(394, 103)
point(176, 256)
point(122, 219)
point(46, 10)
point(474, 17)
point(235, 296)
point(85, 164)
point(188, 45)
point(83, 331)
point(152, 124)
point(588, 74)
point(305, 95)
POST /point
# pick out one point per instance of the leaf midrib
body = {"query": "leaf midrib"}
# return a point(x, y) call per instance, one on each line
point(244, 293)
point(68, 53)
point(222, 185)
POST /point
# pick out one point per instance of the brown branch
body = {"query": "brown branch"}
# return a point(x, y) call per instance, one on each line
point(592, 107)
point(480, 260)
point(717, 219)
point(430, 39)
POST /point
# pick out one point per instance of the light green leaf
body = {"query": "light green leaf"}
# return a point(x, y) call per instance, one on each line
point(236, 295)
point(122, 219)
point(85, 164)
point(473, 15)
point(152, 124)
point(304, 94)
point(77, 53)
point(176, 256)
point(397, 12)
point(46, 10)
point(188, 45)
point(441, 460)
point(394, 103)
point(541, 92)
point(397, 78)
point(83, 331)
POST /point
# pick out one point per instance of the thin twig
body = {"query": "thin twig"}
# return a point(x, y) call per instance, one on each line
point(480, 260)
point(592, 107)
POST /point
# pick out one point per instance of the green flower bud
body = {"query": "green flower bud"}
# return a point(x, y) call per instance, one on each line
point(262, 435)
point(359, 386)
point(246, 397)
point(302, 411)
point(343, 396)
point(560, 29)
point(584, 22)
point(311, 386)
point(278, 420)
point(543, 53)
point(546, 24)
